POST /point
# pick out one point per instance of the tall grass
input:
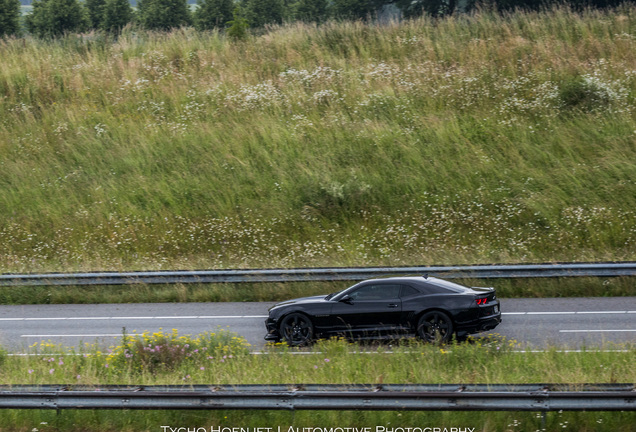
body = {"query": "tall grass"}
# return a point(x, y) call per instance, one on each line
point(475, 138)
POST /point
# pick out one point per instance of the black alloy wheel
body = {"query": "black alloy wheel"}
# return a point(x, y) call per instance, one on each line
point(297, 329)
point(435, 326)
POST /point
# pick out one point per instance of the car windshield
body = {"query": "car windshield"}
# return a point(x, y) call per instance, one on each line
point(339, 293)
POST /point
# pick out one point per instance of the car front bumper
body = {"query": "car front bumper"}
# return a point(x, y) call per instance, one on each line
point(272, 330)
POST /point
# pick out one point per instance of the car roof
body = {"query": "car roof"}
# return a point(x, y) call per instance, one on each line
point(423, 280)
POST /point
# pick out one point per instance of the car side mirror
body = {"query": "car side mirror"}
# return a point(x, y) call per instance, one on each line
point(346, 299)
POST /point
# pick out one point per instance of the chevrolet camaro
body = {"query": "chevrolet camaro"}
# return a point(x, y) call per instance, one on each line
point(430, 308)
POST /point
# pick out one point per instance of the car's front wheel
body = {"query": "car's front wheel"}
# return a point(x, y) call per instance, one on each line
point(435, 326)
point(297, 329)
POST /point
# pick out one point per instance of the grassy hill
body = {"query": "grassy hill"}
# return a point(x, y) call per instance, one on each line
point(468, 139)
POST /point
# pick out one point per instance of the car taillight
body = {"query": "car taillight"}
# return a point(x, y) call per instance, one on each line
point(481, 301)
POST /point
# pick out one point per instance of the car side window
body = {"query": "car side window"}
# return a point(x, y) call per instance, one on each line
point(408, 291)
point(376, 292)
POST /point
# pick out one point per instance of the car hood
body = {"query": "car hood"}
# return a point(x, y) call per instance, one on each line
point(302, 300)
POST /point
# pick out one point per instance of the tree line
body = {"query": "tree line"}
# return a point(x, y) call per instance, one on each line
point(51, 18)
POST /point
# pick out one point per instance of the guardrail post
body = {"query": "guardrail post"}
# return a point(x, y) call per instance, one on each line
point(544, 420)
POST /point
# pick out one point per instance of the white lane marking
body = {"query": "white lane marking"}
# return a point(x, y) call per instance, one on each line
point(569, 313)
point(586, 351)
point(265, 316)
point(603, 312)
point(596, 331)
point(134, 318)
point(76, 335)
point(551, 313)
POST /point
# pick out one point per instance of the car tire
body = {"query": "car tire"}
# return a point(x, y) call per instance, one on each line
point(435, 326)
point(297, 329)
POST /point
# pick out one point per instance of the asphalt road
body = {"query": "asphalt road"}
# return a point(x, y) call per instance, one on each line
point(567, 323)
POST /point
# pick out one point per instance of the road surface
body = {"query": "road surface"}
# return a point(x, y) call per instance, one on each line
point(567, 323)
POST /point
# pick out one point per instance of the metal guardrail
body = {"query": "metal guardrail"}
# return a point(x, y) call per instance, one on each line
point(446, 397)
point(606, 269)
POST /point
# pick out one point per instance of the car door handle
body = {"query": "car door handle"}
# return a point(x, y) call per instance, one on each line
point(393, 305)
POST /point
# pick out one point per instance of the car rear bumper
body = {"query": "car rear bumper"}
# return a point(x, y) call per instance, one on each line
point(482, 324)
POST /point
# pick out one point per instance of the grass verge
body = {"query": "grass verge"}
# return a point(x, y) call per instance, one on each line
point(210, 421)
point(223, 358)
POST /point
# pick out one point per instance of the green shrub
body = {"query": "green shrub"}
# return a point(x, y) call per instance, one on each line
point(589, 93)
point(161, 351)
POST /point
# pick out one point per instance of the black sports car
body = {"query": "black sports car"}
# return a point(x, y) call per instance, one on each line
point(431, 308)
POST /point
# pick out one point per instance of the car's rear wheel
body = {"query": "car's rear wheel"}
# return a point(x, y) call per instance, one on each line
point(297, 329)
point(435, 326)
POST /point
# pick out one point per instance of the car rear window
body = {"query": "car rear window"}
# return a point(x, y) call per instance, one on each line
point(438, 286)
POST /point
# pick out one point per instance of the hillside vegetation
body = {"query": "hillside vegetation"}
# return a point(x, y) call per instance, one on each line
point(476, 138)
